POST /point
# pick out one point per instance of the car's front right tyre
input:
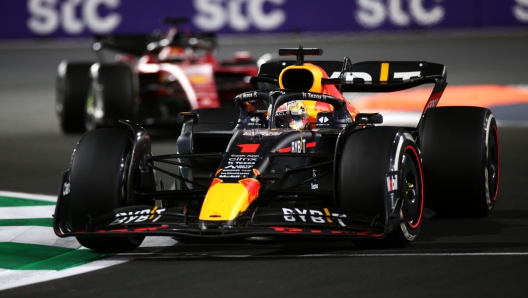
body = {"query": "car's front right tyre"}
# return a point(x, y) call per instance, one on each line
point(380, 176)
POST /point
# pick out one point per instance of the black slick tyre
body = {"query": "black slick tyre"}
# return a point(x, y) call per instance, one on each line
point(71, 91)
point(460, 149)
point(99, 171)
point(111, 96)
point(380, 177)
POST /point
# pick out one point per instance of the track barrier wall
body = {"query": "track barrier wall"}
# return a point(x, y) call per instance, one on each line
point(27, 19)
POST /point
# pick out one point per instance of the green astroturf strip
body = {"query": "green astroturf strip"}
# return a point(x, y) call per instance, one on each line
point(41, 222)
point(13, 202)
point(19, 256)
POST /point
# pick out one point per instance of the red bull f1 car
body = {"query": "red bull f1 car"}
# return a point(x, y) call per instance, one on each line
point(152, 79)
point(243, 173)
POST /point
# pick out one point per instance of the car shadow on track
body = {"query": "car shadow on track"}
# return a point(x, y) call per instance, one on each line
point(500, 232)
point(502, 229)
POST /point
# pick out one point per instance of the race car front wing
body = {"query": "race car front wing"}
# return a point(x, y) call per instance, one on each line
point(262, 221)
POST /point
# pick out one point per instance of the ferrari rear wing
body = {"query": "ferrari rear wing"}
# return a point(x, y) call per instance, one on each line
point(134, 44)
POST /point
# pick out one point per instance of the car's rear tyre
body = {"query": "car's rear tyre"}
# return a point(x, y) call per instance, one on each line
point(372, 161)
point(111, 96)
point(98, 180)
point(460, 150)
point(71, 91)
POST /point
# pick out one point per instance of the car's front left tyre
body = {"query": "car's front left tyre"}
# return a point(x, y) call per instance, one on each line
point(98, 179)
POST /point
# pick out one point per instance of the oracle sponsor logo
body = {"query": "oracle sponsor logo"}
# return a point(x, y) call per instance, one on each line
point(238, 15)
point(400, 13)
point(47, 16)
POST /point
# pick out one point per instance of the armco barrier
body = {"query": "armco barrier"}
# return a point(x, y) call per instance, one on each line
point(78, 18)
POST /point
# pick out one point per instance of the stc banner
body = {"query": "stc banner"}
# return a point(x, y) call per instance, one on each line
point(82, 18)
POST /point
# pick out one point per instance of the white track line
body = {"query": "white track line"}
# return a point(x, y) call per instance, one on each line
point(425, 254)
point(345, 255)
point(24, 212)
point(21, 195)
point(36, 235)
point(14, 278)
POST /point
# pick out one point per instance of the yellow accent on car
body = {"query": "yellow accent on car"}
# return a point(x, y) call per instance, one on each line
point(316, 72)
point(384, 76)
point(198, 79)
point(153, 212)
point(224, 201)
point(327, 214)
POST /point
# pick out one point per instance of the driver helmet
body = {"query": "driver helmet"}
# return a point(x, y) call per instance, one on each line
point(292, 114)
point(174, 53)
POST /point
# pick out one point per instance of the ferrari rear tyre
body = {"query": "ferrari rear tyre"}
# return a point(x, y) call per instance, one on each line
point(71, 92)
point(380, 177)
point(111, 96)
point(98, 178)
point(460, 150)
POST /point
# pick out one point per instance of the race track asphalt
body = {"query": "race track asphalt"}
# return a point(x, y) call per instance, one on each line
point(484, 257)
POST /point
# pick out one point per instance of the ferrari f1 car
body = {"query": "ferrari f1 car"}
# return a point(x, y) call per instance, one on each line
point(153, 79)
point(242, 173)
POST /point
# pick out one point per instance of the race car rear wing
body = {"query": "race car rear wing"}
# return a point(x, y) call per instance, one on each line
point(370, 76)
point(138, 44)
point(378, 76)
point(134, 44)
